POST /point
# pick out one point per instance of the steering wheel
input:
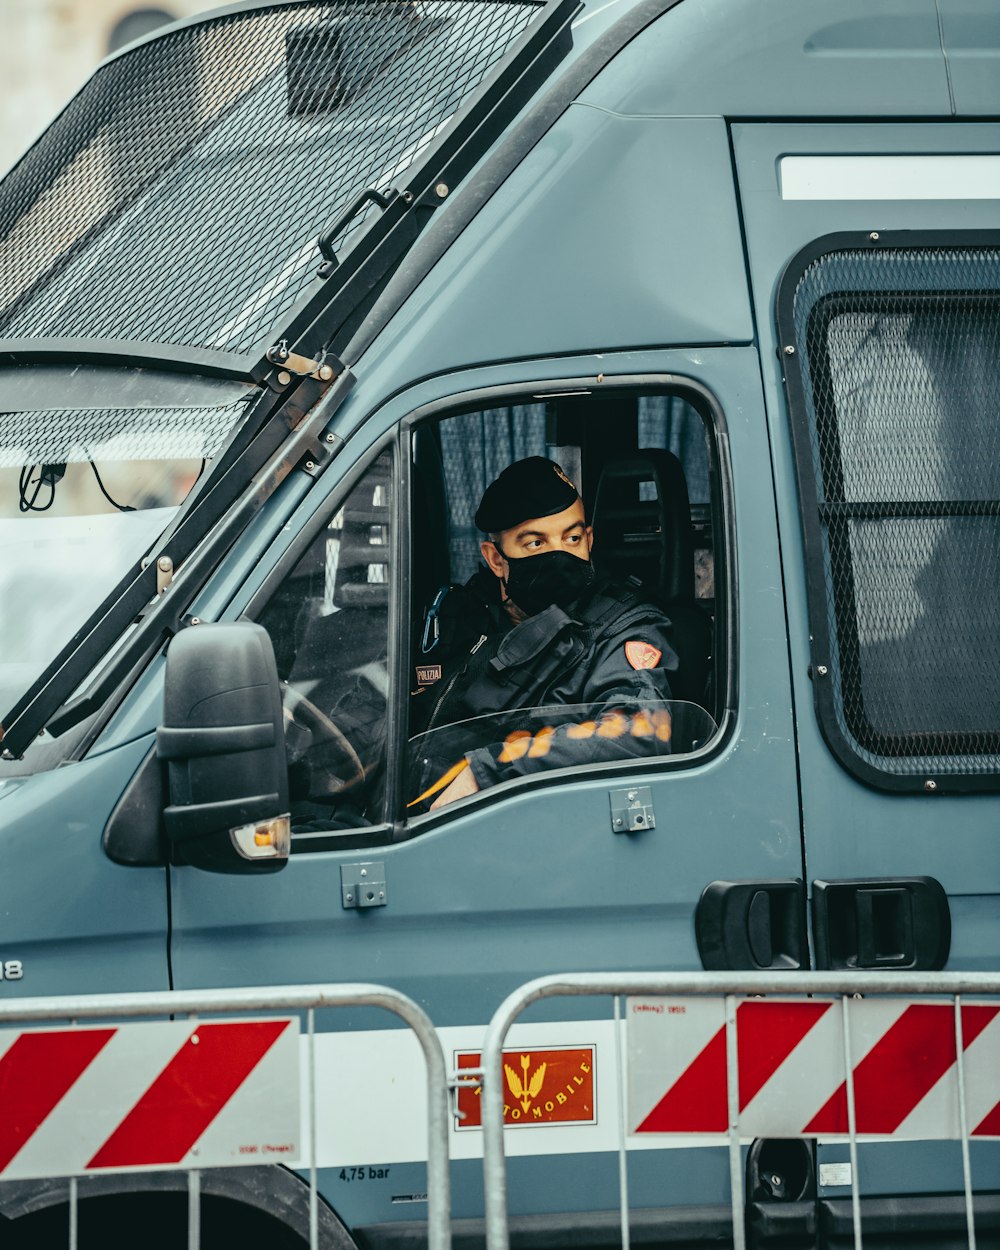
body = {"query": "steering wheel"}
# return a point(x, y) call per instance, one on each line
point(334, 764)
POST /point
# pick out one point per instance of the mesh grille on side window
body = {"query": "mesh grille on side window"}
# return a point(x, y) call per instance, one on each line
point(893, 386)
point(178, 198)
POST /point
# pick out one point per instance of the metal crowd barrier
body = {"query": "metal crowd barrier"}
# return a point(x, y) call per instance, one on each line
point(193, 1004)
point(735, 987)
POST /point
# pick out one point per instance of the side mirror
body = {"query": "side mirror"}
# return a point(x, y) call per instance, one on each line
point(223, 744)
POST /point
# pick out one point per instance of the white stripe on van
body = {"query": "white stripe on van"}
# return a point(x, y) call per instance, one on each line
point(889, 177)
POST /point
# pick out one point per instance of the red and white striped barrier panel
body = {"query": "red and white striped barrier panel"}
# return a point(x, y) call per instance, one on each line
point(171, 1094)
point(791, 1072)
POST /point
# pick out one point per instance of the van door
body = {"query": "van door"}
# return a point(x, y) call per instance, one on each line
point(889, 307)
point(589, 870)
point(879, 277)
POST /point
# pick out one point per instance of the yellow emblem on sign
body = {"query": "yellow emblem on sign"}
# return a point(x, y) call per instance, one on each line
point(525, 1090)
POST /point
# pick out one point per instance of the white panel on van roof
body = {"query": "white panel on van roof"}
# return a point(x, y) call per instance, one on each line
point(889, 177)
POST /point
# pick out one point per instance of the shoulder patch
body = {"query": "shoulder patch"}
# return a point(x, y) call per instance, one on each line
point(642, 654)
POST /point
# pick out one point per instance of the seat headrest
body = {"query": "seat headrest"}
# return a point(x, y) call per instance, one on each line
point(642, 522)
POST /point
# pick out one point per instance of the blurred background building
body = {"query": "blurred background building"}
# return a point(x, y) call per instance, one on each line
point(50, 48)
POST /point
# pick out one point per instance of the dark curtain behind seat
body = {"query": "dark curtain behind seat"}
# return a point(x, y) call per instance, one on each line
point(476, 447)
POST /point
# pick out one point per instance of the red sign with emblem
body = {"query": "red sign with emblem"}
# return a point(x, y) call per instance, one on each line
point(540, 1087)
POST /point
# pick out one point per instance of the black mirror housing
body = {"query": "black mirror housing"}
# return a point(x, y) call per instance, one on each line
point(222, 741)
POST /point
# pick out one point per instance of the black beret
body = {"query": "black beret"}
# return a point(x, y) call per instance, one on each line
point(528, 488)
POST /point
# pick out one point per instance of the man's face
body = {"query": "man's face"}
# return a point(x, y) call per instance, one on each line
point(565, 531)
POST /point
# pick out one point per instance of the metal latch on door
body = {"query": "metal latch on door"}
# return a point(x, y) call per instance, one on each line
point(363, 885)
point(632, 809)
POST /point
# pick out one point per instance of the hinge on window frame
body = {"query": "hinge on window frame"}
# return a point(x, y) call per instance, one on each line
point(164, 572)
point(293, 365)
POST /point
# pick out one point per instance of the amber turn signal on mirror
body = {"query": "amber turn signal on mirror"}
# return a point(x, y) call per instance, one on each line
point(267, 839)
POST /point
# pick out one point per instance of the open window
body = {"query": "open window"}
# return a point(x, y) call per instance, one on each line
point(351, 612)
point(646, 465)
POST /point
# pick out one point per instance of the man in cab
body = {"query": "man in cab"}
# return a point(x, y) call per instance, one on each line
point(571, 665)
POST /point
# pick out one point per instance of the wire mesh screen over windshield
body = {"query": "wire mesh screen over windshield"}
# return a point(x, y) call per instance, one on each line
point(60, 436)
point(900, 352)
point(179, 197)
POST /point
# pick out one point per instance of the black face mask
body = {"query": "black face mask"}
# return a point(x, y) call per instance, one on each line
point(536, 582)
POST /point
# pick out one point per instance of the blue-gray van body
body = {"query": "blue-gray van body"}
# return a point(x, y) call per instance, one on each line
point(640, 238)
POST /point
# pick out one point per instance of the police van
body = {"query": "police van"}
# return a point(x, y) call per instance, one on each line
point(281, 291)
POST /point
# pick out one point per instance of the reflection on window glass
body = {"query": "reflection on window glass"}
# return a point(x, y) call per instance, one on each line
point(84, 495)
point(527, 740)
point(914, 393)
point(913, 390)
point(329, 626)
point(900, 349)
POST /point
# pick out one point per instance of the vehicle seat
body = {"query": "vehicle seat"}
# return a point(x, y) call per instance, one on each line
point(642, 527)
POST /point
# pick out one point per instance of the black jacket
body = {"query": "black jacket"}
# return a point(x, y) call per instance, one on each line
point(607, 658)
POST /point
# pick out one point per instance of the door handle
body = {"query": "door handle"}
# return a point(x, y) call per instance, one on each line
point(882, 922)
point(752, 925)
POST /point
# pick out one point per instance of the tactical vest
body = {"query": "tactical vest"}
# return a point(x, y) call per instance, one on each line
point(515, 669)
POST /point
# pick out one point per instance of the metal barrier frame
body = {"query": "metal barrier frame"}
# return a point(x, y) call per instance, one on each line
point(308, 998)
point(733, 986)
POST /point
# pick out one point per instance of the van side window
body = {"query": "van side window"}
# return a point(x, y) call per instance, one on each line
point(329, 624)
point(370, 743)
point(893, 398)
point(645, 466)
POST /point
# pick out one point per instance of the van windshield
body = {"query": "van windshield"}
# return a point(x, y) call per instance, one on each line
point(179, 197)
point(84, 495)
